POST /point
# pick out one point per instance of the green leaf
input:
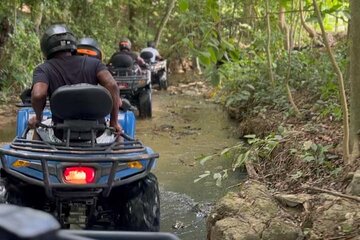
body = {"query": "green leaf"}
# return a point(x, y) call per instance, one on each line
point(309, 158)
point(218, 182)
point(217, 175)
point(241, 159)
point(307, 145)
point(205, 159)
point(212, 52)
point(314, 147)
point(225, 151)
point(205, 174)
point(250, 86)
point(184, 5)
point(297, 175)
point(250, 136)
point(225, 174)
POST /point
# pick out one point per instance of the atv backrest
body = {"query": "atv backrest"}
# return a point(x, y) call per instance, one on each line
point(122, 61)
point(81, 102)
point(146, 55)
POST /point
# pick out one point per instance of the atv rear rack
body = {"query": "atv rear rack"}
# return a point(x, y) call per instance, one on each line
point(133, 82)
point(116, 153)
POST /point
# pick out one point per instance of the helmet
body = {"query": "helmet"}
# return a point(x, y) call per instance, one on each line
point(90, 47)
point(151, 44)
point(57, 38)
point(125, 44)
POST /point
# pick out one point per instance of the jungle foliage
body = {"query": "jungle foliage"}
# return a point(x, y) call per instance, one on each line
point(259, 55)
point(23, 21)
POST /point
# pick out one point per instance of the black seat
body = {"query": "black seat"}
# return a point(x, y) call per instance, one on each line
point(122, 65)
point(79, 111)
point(146, 55)
point(122, 61)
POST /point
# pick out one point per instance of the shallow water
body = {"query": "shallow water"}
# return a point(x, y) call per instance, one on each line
point(182, 129)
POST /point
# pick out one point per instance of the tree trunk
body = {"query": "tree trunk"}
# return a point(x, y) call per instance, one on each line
point(354, 78)
point(37, 14)
point(309, 30)
point(164, 21)
point(290, 46)
point(346, 151)
point(131, 16)
point(268, 51)
point(284, 28)
point(5, 30)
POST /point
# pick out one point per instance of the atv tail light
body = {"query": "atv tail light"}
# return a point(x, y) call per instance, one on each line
point(135, 164)
point(79, 175)
point(123, 85)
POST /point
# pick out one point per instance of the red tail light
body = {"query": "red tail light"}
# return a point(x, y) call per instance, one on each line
point(79, 175)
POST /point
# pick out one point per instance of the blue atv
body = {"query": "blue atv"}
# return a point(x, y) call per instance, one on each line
point(78, 170)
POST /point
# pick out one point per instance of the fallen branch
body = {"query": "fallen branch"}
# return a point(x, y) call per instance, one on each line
point(250, 169)
point(332, 192)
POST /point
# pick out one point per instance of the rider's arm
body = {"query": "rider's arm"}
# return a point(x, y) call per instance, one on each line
point(39, 93)
point(157, 55)
point(38, 99)
point(140, 62)
point(107, 81)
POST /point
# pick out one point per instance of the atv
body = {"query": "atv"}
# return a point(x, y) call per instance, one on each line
point(158, 70)
point(134, 83)
point(79, 171)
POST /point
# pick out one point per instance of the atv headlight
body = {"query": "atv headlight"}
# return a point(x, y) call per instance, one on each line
point(21, 163)
point(135, 164)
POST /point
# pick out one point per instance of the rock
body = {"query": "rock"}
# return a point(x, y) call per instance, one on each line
point(354, 186)
point(279, 229)
point(292, 200)
point(335, 217)
point(249, 215)
point(233, 228)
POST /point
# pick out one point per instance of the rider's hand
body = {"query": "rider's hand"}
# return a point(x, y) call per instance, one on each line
point(117, 127)
point(33, 121)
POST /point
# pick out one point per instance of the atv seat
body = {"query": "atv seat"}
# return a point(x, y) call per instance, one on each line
point(122, 65)
point(78, 111)
point(147, 56)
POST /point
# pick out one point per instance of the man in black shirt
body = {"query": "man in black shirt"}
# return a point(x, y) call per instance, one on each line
point(125, 48)
point(63, 68)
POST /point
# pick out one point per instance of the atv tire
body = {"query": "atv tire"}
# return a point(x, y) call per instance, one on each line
point(145, 105)
point(163, 82)
point(138, 205)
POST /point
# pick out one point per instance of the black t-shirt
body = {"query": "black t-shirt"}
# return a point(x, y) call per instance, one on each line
point(68, 70)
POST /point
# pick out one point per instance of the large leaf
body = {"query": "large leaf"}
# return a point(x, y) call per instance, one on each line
point(184, 5)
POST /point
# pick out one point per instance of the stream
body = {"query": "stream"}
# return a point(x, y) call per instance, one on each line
point(183, 129)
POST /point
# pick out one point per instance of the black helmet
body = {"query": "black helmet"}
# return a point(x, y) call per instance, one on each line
point(151, 44)
point(90, 47)
point(57, 38)
point(125, 44)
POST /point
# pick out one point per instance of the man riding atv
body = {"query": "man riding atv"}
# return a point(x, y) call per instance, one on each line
point(133, 77)
point(62, 67)
point(89, 47)
point(76, 177)
point(157, 64)
point(125, 49)
point(151, 48)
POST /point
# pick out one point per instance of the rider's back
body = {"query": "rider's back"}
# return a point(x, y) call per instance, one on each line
point(154, 51)
point(68, 70)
